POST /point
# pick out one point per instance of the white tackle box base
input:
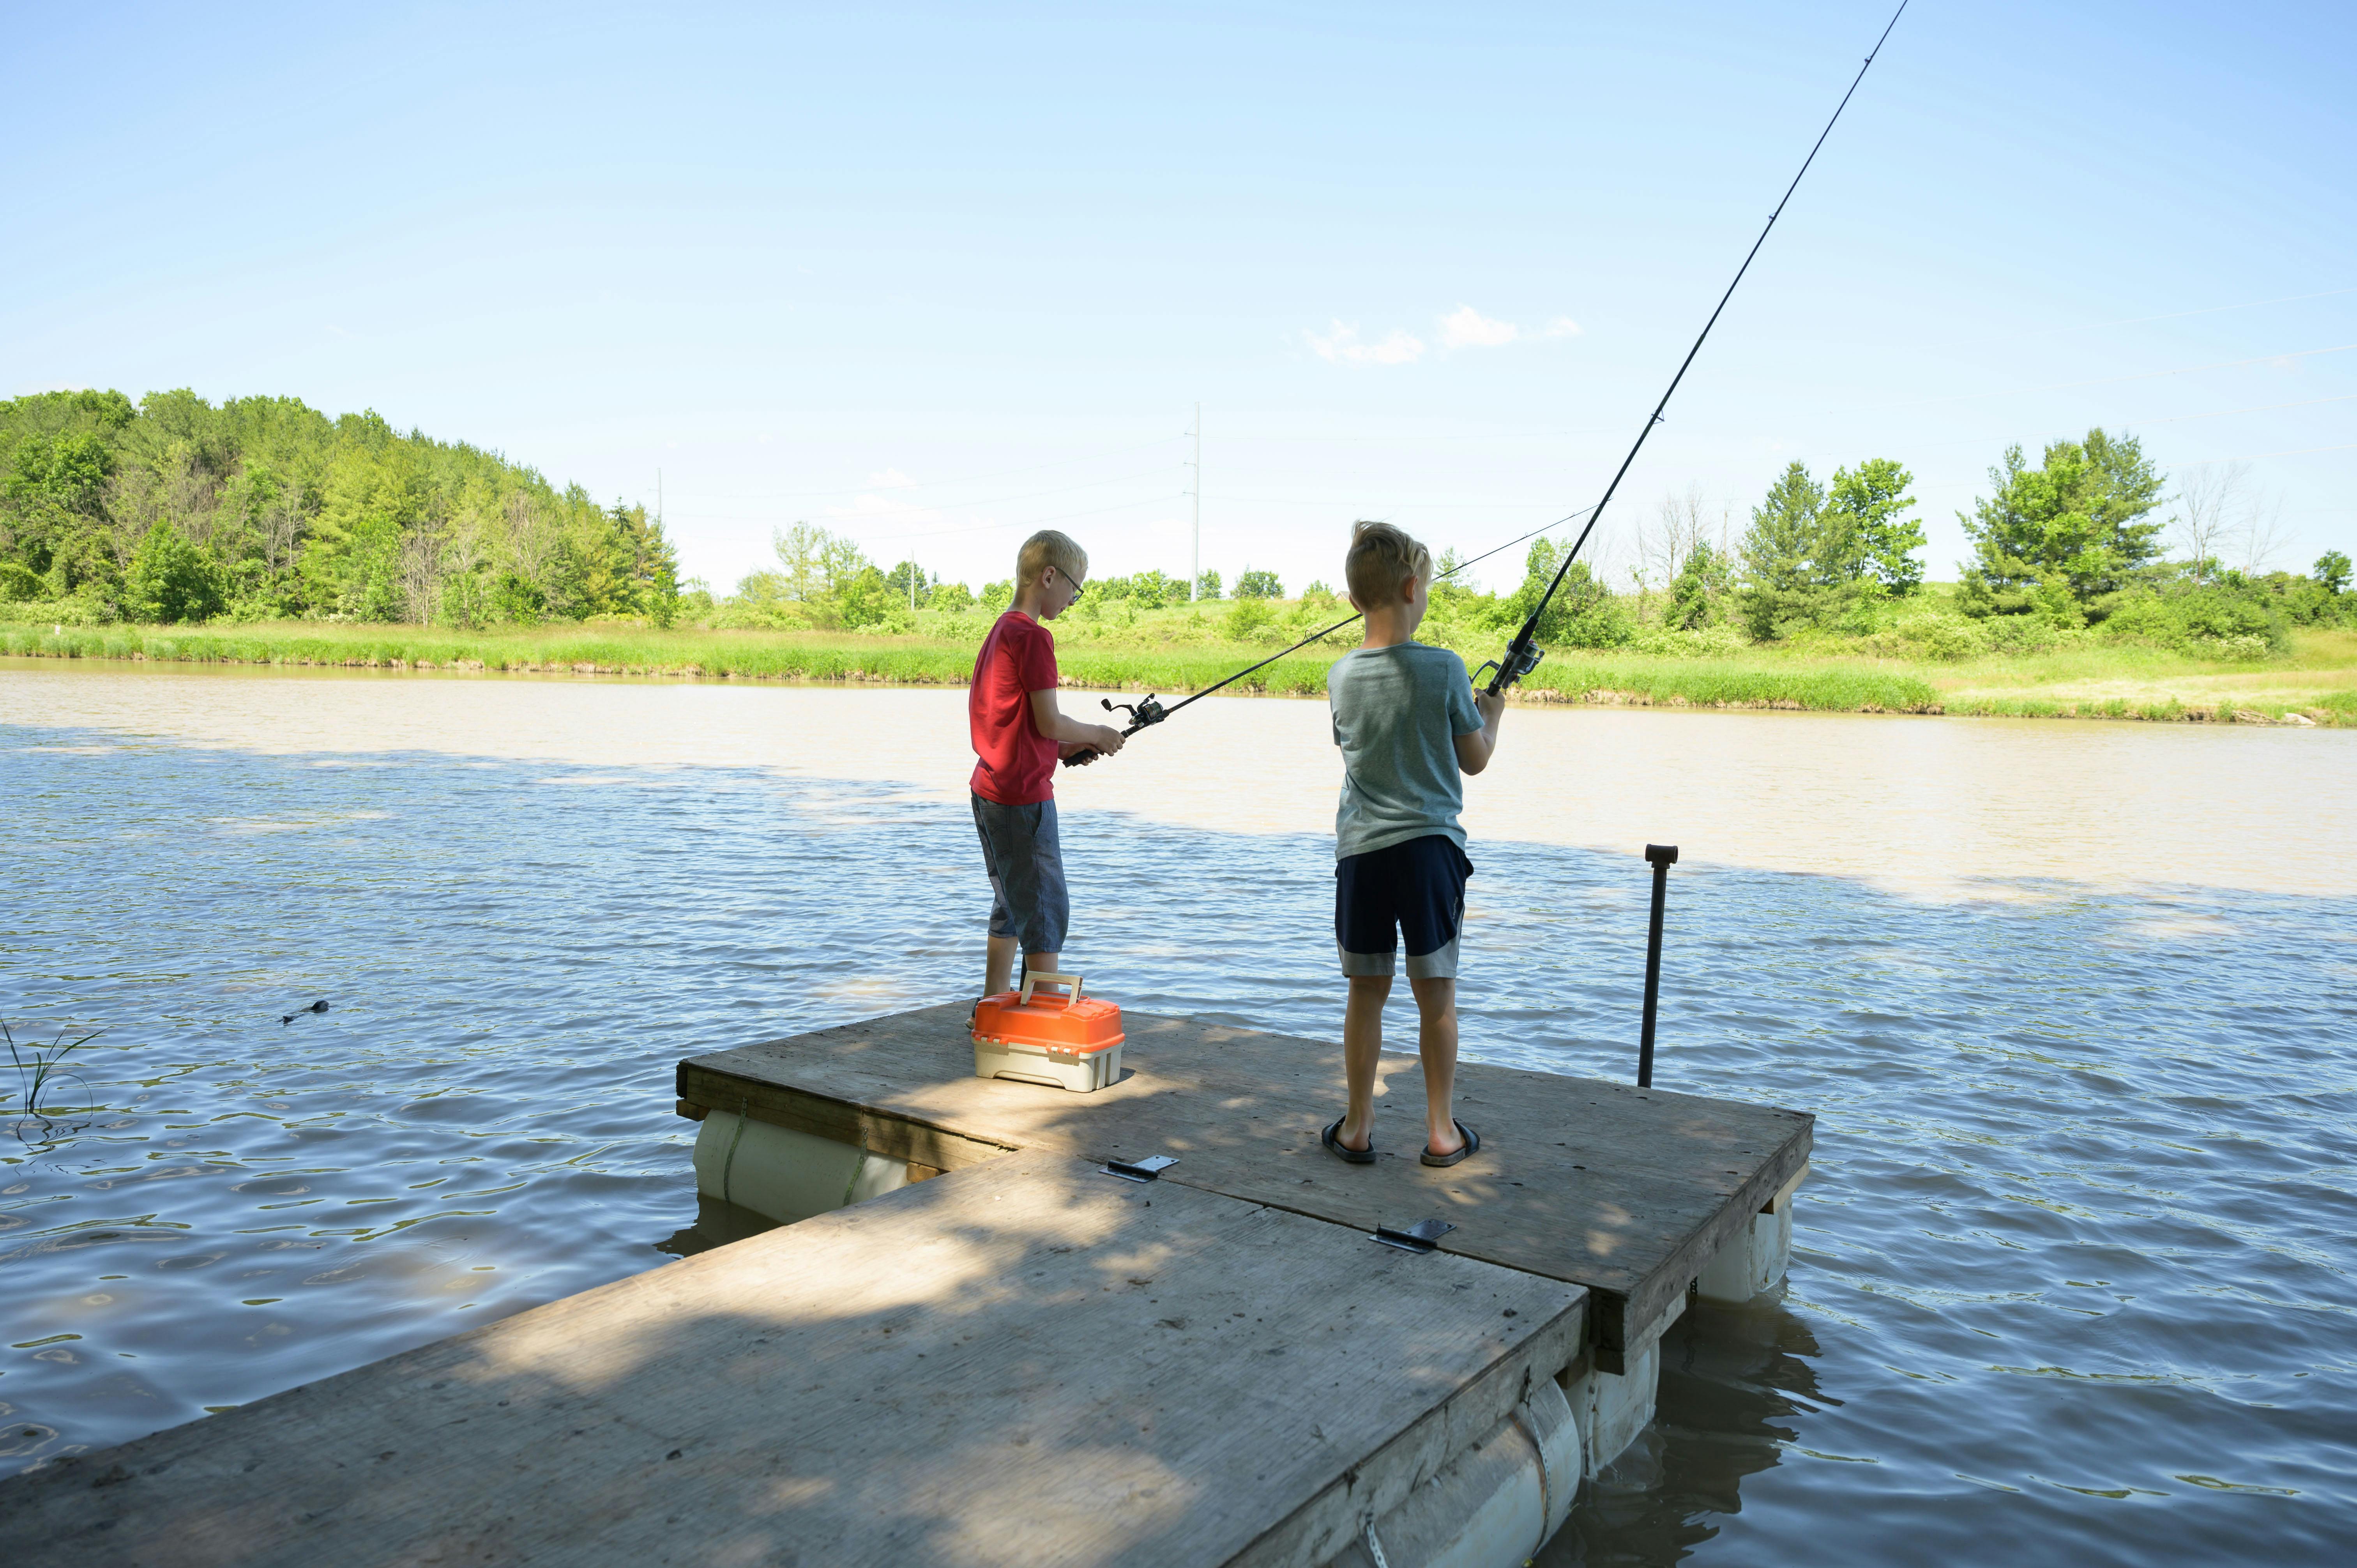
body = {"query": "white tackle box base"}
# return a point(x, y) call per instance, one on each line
point(1032, 1064)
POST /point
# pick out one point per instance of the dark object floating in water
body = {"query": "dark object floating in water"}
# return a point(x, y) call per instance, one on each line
point(318, 1006)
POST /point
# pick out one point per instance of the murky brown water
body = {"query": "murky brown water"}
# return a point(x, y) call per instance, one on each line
point(2073, 1003)
point(1906, 801)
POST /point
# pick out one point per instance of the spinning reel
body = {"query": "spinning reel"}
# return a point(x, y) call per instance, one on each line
point(1141, 714)
point(1519, 659)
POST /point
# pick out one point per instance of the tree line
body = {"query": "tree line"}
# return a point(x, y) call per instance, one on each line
point(2070, 544)
point(176, 509)
point(824, 579)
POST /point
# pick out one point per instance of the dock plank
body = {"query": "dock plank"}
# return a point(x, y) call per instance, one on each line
point(1625, 1191)
point(1023, 1362)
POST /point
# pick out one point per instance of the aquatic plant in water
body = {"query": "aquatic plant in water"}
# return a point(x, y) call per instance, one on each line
point(39, 1076)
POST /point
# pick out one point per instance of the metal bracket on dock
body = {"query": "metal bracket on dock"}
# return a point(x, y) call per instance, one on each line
point(1421, 1237)
point(1147, 1169)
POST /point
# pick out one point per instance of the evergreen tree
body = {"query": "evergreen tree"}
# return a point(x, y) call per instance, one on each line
point(1786, 556)
point(2057, 536)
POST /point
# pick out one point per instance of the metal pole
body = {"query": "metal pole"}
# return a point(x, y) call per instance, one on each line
point(1195, 555)
point(1662, 856)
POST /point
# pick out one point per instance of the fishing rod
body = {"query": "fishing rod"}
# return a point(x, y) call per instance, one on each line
point(1151, 712)
point(1523, 654)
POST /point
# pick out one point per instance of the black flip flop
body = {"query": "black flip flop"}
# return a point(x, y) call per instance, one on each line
point(1472, 1145)
point(1332, 1138)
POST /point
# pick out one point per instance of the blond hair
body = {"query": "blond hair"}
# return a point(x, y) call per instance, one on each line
point(1048, 548)
point(1382, 558)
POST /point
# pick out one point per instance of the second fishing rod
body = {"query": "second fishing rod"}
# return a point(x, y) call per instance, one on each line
point(1152, 711)
point(1523, 654)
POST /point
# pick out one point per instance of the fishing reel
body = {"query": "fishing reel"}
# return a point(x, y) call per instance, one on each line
point(1141, 714)
point(1519, 659)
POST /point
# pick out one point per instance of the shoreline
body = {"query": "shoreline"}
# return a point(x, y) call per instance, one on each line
point(1591, 693)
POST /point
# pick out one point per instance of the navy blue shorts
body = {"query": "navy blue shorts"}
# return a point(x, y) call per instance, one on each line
point(1416, 889)
point(1024, 857)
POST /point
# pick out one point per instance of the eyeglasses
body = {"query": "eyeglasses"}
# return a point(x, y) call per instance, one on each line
point(1068, 582)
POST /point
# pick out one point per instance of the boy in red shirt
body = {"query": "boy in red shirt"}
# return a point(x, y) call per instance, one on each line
point(1019, 735)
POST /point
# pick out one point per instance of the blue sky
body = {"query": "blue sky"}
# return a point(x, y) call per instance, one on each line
point(934, 276)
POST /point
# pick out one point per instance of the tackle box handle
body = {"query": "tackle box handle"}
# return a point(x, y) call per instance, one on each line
point(1032, 977)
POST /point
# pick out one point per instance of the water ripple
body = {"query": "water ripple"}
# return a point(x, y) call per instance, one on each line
point(2072, 1275)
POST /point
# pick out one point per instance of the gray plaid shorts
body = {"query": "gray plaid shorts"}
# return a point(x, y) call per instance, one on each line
point(1026, 862)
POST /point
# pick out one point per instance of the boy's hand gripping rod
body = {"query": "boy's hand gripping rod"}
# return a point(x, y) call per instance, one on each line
point(1523, 654)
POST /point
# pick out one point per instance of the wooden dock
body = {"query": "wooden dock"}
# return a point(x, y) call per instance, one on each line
point(1024, 1361)
point(1626, 1192)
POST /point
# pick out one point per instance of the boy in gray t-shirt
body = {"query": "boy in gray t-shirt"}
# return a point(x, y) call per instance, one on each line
point(1409, 725)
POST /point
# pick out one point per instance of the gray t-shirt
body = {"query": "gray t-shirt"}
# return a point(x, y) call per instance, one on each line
point(1397, 713)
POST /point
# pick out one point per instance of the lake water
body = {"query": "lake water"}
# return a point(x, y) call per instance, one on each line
point(2074, 1005)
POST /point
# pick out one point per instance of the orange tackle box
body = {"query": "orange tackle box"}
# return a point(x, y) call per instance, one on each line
point(1069, 1041)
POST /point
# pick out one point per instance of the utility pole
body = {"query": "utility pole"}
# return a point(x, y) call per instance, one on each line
point(1195, 555)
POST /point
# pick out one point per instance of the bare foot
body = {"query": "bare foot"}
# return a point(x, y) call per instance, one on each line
point(1449, 1143)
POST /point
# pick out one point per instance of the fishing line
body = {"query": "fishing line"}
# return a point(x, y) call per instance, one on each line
point(1523, 654)
point(1151, 712)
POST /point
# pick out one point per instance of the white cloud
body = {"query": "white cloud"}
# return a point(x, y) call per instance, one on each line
point(1466, 328)
point(1463, 328)
point(891, 479)
point(1340, 344)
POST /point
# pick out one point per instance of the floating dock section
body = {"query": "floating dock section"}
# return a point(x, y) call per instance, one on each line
point(982, 1348)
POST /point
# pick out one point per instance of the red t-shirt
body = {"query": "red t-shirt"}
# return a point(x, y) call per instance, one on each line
point(1019, 763)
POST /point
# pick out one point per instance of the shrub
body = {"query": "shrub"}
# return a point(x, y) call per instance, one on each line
point(2243, 647)
point(1251, 585)
point(2231, 613)
point(1150, 590)
point(1943, 639)
point(1249, 619)
point(1709, 641)
point(171, 580)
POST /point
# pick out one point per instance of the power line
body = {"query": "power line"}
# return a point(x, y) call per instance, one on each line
point(933, 483)
point(2207, 310)
point(989, 500)
point(2261, 408)
point(2137, 376)
point(2254, 457)
point(1032, 523)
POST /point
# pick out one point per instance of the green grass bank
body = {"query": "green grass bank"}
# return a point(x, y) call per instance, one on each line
point(2317, 685)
